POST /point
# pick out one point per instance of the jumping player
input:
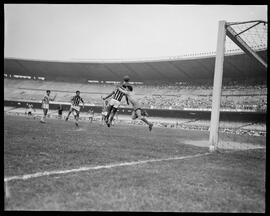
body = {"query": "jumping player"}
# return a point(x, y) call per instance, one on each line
point(75, 106)
point(137, 112)
point(45, 105)
point(115, 101)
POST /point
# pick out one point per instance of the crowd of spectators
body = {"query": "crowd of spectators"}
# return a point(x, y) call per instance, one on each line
point(203, 103)
point(243, 94)
point(248, 95)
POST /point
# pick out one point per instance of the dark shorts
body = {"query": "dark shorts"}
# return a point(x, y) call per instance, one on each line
point(138, 113)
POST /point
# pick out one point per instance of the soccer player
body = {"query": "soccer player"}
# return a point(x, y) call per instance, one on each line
point(75, 106)
point(29, 109)
point(137, 112)
point(115, 101)
point(45, 105)
point(91, 115)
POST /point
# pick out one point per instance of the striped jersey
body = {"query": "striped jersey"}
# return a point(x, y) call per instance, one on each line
point(118, 95)
point(76, 100)
point(46, 99)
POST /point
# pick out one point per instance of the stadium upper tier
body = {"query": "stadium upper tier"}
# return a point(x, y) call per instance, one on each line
point(186, 69)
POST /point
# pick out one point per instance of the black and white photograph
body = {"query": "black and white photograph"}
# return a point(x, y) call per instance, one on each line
point(135, 107)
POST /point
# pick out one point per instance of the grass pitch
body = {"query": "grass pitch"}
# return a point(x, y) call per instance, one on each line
point(230, 182)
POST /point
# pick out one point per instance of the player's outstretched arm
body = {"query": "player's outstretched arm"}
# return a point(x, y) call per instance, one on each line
point(54, 97)
point(104, 98)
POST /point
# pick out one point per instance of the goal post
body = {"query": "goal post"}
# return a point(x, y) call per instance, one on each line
point(218, 73)
point(227, 29)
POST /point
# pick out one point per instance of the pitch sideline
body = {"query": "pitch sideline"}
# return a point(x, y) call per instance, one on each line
point(108, 166)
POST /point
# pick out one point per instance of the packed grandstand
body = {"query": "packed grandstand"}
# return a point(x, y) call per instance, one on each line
point(236, 95)
point(169, 84)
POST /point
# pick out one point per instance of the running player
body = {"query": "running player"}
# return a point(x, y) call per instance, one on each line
point(115, 101)
point(45, 105)
point(137, 112)
point(75, 107)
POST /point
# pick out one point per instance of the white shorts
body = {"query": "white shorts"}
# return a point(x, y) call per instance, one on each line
point(77, 108)
point(104, 113)
point(114, 103)
point(45, 106)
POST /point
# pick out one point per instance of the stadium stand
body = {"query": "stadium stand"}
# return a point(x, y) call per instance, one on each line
point(184, 83)
point(237, 95)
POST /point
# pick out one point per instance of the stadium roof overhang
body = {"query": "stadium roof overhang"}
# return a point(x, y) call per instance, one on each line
point(186, 69)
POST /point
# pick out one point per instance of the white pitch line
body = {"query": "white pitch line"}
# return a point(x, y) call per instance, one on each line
point(108, 166)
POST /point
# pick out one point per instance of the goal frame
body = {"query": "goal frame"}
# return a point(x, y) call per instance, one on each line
point(224, 29)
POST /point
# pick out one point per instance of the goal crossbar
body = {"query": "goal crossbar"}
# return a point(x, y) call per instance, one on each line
point(243, 45)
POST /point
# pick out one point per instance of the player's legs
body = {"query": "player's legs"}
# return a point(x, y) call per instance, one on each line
point(77, 118)
point(110, 107)
point(107, 118)
point(113, 118)
point(142, 118)
point(69, 112)
point(114, 110)
point(45, 111)
point(113, 105)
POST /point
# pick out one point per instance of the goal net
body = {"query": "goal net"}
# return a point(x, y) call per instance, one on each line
point(239, 99)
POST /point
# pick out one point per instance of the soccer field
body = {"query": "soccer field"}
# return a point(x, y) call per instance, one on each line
point(56, 166)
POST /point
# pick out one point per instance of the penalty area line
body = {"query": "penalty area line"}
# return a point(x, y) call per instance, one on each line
point(108, 166)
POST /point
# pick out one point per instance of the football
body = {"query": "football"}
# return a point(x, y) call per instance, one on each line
point(126, 78)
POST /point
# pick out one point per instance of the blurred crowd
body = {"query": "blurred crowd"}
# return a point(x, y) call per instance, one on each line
point(249, 95)
point(243, 94)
